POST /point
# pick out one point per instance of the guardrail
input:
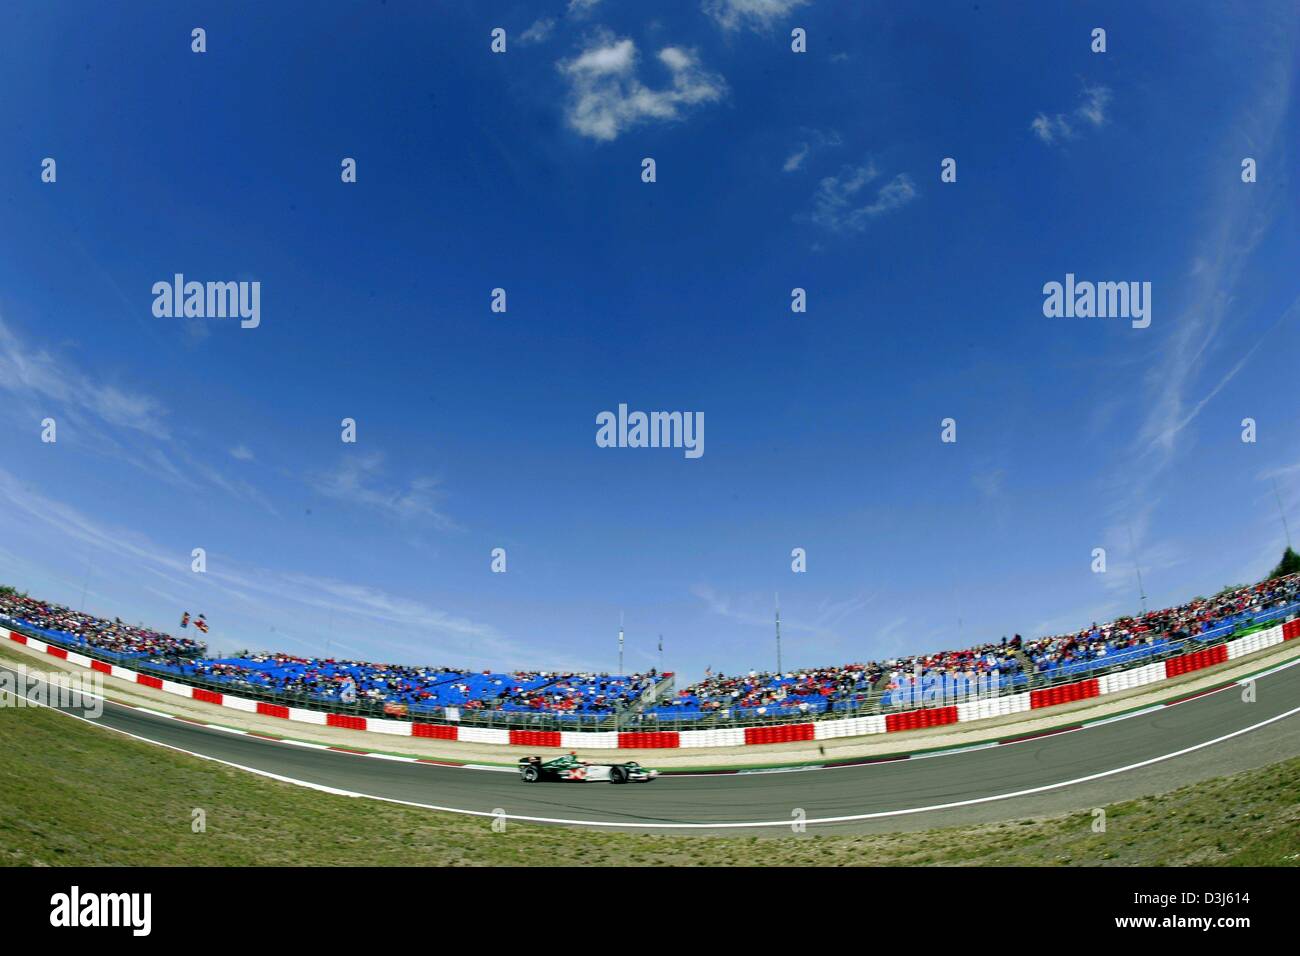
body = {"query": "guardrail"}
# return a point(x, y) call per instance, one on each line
point(626, 717)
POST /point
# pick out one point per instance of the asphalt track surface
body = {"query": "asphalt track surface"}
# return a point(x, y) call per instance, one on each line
point(1135, 756)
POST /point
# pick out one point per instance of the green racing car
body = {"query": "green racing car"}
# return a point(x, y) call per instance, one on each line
point(569, 768)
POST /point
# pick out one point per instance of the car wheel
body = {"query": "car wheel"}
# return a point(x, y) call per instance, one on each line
point(531, 774)
point(618, 775)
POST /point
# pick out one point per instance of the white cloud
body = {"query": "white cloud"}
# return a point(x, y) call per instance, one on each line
point(990, 482)
point(1091, 111)
point(50, 386)
point(757, 611)
point(356, 480)
point(543, 28)
point(751, 14)
point(1192, 342)
point(1050, 128)
point(795, 159)
point(606, 97)
point(242, 453)
point(839, 202)
point(387, 618)
point(1093, 108)
point(36, 374)
point(814, 140)
point(236, 487)
point(539, 32)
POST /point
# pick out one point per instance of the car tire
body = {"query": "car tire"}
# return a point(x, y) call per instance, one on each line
point(531, 774)
point(618, 775)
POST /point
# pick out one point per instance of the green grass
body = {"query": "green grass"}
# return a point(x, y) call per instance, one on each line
point(74, 794)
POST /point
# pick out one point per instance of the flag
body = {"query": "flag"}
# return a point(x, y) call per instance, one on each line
point(201, 624)
point(185, 619)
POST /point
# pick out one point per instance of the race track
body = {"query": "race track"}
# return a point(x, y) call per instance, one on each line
point(1135, 756)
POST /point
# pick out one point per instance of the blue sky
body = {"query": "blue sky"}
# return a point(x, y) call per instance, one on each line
point(522, 170)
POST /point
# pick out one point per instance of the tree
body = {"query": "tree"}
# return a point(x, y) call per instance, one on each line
point(1290, 564)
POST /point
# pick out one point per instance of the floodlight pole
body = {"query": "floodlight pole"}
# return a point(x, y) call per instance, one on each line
point(778, 634)
point(1282, 511)
point(1138, 565)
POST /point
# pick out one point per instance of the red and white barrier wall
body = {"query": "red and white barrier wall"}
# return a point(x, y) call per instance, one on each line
point(723, 737)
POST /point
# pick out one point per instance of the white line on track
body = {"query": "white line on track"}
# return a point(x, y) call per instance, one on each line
point(851, 818)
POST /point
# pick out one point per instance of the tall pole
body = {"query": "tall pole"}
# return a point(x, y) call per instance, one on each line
point(1138, 564)
point(778, 634)
point(661, 653)
point(620, 643)
point(1282, 512)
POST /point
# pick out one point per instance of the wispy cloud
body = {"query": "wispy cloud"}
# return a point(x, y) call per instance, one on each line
point(539, 32)
point(241, 453)
point(989, 482)
point(1123, 563)
point(749, 14)
point(32, 373)
point(235, 487)
point(812, 141)
point(46, 384)
point(841, 202)
point(177, 467)
point(1162, 430)
point(543, 28)
point(357, 479)
point(1186, 345)
point(1090, 113)
point(751, 610)
point(606, 97)
point(795, 159)
point(263, 593)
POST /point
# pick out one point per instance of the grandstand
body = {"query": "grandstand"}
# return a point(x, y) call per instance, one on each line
point(426, 689)
point(551, 698)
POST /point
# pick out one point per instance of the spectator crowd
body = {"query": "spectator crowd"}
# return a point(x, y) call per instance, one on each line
point(1013, 661)
point(114, 636)
point(800, 691)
